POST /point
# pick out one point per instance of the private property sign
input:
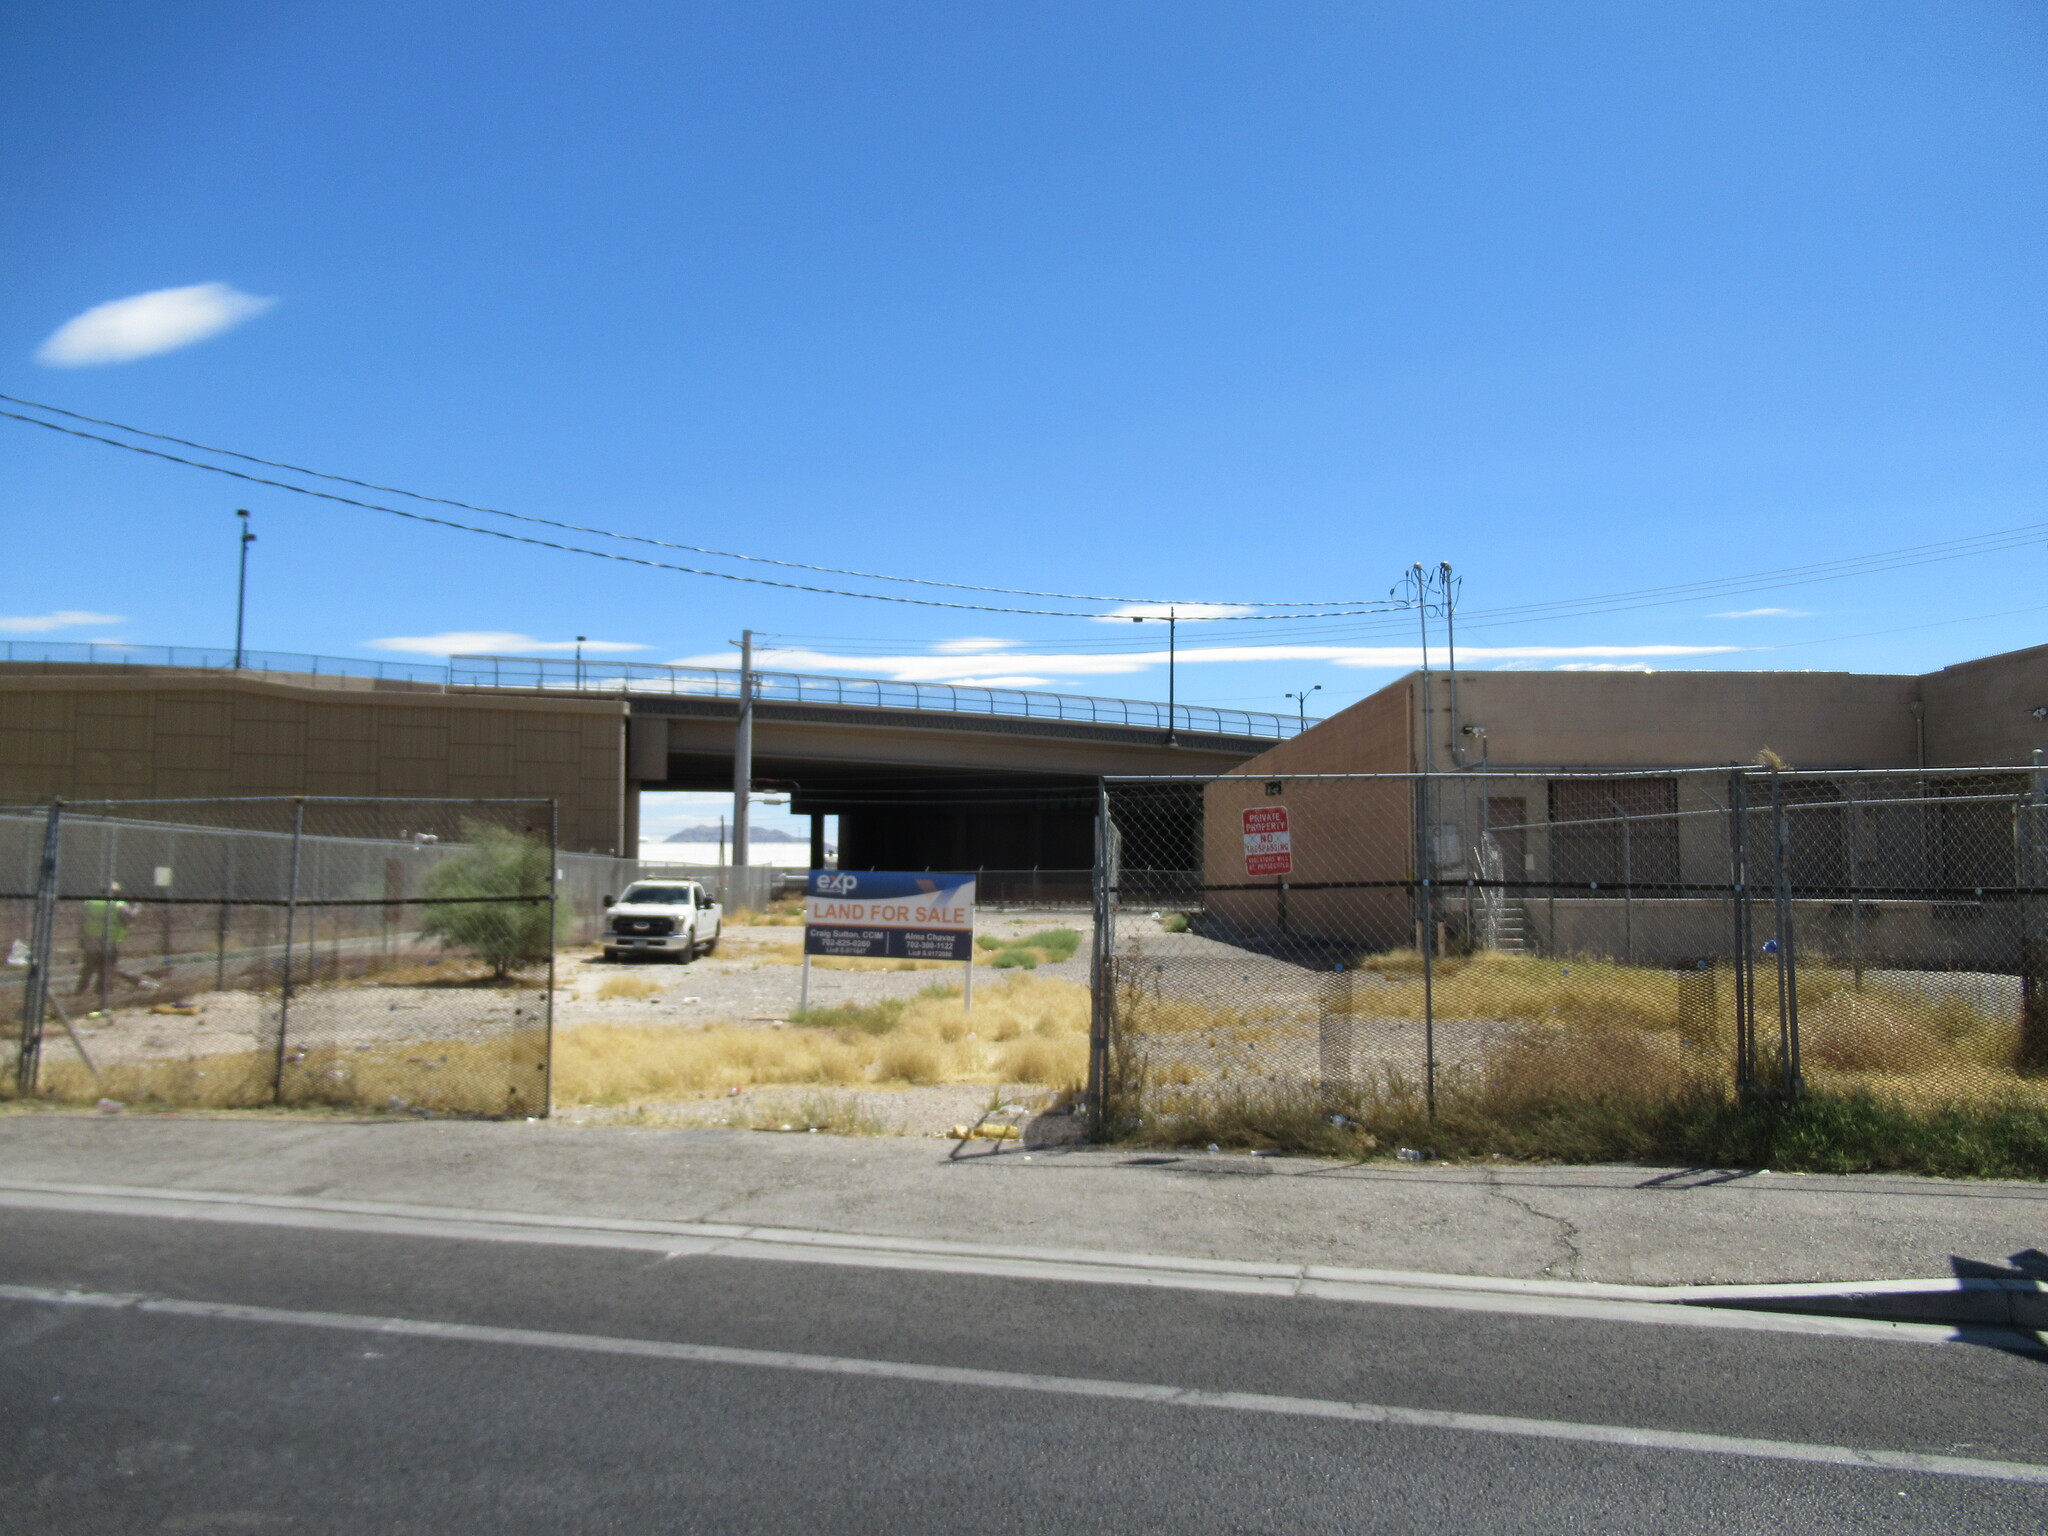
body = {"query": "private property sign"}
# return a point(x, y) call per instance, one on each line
point(887, 914)
point(1268, 850)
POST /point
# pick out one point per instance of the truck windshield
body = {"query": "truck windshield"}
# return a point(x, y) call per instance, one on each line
point(658, 895)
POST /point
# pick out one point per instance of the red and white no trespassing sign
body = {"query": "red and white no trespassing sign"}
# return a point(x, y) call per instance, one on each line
point(1268, 850)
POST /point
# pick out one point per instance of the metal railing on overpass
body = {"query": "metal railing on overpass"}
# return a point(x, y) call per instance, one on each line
point(607, 676)
point(643, 677)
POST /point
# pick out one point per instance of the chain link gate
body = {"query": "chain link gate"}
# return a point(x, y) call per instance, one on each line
point(382, 954)
point(1506, 940)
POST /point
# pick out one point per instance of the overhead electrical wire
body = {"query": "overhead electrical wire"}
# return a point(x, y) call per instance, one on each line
point(599, 554)
point(607, 533)
point(1388, 617)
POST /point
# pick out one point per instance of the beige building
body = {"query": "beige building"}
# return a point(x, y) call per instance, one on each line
point(1570, 776)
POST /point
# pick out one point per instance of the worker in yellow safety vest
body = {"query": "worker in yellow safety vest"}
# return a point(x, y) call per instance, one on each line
point(103, 924)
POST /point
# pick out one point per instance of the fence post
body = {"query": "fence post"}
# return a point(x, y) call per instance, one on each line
point(1425, 865)
point(1101, 1002)
point(547, 1064)
point(1855, 887)
point(1788, 968)
point(291, 919)
point(1745, 976)
point(42, 941)
point(2033, 1051)
point(1628, 890)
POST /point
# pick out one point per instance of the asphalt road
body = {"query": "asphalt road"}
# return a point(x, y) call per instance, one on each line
point(264, 1391)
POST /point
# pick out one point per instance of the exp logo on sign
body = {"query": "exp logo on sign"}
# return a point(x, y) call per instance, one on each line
point(834, 884)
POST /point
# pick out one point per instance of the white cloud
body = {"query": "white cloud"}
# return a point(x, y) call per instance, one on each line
point(145, 324)
point(997, 682)
point(495, 642)
point(971, 644)
point(936, 669)
point(1192, 611)
point(1764, 613)
point(43, 623)
point(1605, 666)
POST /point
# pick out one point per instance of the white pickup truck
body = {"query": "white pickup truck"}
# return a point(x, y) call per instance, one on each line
point(675, 919)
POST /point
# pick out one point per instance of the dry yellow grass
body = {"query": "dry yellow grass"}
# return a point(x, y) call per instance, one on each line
point(457, 1077)
point(1593, 1027)
point(1030, 1030)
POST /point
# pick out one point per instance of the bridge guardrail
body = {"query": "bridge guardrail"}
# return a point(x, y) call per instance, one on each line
point(607, 676)
point(646, 677)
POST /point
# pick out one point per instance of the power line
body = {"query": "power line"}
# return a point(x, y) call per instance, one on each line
point(1874, 563)
point(595, 554)
point(607, 533)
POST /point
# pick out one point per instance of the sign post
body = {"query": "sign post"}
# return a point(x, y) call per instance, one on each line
point(888, 914)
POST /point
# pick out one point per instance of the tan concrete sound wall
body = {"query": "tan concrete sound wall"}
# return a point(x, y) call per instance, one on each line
point(123, 735)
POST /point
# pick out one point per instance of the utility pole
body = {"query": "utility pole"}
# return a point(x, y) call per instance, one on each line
point(743, 750)
point(1422, 587)
point(242, 584)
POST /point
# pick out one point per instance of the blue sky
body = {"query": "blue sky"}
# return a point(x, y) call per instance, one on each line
point(1199, 302)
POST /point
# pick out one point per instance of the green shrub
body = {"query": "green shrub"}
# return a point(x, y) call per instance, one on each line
point(469, 888)
point(1174, 922)
point(1010, 959)
point(1053, 943)
point(862, 1018)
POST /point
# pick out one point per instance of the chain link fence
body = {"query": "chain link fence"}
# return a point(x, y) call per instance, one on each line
point(387, 954)
point(1508, 943)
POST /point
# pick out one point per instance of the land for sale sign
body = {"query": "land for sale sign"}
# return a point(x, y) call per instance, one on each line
point(888, 914)
point(1268, 849)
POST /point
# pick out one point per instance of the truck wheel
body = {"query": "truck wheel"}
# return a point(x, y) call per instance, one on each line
point(709, 946)
point(612, 955)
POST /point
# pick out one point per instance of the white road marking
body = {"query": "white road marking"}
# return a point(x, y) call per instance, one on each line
point(1665, 1305)
point(1065, 1386)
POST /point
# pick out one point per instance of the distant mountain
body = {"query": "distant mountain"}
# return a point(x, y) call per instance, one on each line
point(709, 833)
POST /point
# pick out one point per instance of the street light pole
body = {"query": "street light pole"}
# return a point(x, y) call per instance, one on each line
point(1301, 704)
point(1172, 652)
point(579, 659)
point(242, 583)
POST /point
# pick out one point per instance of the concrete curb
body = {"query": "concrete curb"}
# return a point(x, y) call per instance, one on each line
point(1988, 1303)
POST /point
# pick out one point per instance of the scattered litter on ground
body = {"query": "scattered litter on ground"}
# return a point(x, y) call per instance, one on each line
point(111, 1106)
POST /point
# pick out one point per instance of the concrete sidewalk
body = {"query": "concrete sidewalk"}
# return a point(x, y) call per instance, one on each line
point(1608, 1224)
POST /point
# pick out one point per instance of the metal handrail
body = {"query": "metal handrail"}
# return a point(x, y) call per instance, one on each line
point(646, 677)
point(607, 676)
point(108, 653)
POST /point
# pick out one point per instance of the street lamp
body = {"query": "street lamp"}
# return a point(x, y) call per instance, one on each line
point(1301, 703)
point(579, 659)
point(242, 583)
point(1172, 649)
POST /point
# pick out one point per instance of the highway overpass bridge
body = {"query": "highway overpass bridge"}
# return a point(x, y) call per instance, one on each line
point(920, 774)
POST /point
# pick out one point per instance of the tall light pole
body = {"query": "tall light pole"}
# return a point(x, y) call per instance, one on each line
point(1172, 651)
point(1301, 704)
point(242, 583)
point(579, 659)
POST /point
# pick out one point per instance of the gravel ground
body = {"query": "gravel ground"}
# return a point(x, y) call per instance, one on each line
point(755, 978)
